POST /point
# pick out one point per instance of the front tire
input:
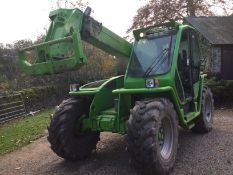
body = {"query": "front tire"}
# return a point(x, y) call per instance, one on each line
point(152, 138)
point(66, 140)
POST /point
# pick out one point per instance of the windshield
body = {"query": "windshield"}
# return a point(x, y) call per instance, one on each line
point(152, 56)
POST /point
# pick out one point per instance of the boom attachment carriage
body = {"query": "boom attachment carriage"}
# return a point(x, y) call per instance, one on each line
point(62, 49)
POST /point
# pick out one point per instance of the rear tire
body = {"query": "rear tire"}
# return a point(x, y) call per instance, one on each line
point(204, 122)
point(66, 140)
point(152, 138)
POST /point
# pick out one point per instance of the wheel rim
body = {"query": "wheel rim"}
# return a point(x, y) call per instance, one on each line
point(208, 109)
point(165, 138)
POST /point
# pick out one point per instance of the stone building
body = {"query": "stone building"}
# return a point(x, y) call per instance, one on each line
point(218, 30)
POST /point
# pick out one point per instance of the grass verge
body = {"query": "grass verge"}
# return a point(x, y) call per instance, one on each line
point(22, 131)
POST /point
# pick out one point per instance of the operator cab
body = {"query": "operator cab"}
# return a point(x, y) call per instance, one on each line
point(170, 54)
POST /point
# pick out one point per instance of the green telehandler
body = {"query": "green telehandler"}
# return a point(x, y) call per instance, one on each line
point(163, 88)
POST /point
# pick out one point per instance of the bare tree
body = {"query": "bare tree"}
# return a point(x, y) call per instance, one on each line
point(157, 11)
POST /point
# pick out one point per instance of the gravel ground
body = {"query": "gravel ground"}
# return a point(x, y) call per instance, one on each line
point(211, 153)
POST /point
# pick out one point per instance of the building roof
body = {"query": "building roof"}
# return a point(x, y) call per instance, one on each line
point(217, 29)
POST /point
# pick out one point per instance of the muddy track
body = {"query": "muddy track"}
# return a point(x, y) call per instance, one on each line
point(211, 153)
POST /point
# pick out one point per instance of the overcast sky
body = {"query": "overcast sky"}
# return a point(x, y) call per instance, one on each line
point(26, 19)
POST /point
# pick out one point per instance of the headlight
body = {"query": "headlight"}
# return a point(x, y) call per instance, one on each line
point(151, 83)
point(74, 87)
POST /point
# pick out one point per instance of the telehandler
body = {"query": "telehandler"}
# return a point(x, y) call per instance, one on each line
point(162, 88)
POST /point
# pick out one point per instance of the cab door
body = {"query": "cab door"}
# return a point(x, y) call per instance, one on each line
point(194, 63)
point(188, 69)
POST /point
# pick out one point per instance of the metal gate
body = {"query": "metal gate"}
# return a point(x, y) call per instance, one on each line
point(11, 107)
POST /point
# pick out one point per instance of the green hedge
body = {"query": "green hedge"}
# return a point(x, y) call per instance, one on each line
point(222, 89)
